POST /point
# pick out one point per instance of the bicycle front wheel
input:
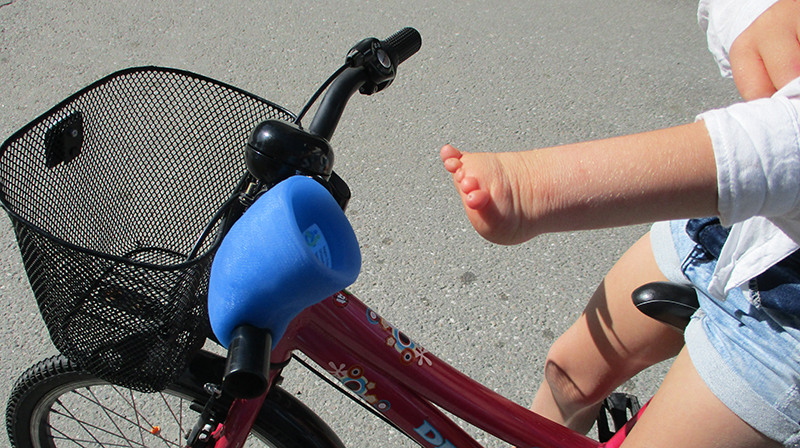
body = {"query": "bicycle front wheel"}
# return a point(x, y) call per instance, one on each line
point(57, 404)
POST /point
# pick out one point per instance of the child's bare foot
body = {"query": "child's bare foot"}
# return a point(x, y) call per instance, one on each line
point(496, 192)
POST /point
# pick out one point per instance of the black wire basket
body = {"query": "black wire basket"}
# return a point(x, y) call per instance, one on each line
point(114, 195)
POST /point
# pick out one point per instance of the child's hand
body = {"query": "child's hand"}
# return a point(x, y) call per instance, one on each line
point(766, 56)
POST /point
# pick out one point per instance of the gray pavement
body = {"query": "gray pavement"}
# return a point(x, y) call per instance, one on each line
point(491, 75)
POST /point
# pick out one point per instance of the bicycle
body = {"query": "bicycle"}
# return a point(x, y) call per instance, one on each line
point(124, 297)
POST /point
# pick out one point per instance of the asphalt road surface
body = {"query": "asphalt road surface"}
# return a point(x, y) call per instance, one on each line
point(491, 75)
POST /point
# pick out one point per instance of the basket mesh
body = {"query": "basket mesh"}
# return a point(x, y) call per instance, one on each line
point(108, 193)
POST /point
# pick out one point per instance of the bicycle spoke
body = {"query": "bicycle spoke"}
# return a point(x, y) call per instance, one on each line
point(150, 427)
point(136, 413)
point(105, 411)
point(78, 421)
point(65, 437)
point(96, 401)
point(80, 442)
point(110, 414)
point(85, 424)
point(131, 403)
point(178, 421)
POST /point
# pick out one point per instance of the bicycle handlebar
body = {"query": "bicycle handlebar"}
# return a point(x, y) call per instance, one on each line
point(279, 149)
point(372, 65)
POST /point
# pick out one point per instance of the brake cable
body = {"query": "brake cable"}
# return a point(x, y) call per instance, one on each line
point(321, 89)
point(349, 395)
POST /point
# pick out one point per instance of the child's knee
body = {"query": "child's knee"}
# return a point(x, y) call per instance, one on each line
point(573, 387)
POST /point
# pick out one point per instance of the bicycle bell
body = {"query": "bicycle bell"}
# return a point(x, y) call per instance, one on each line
point(279, 149)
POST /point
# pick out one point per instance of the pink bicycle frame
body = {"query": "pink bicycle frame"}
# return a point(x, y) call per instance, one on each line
point(404, 382)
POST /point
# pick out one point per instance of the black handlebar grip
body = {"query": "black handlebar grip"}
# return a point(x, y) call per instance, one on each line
point(403, 44)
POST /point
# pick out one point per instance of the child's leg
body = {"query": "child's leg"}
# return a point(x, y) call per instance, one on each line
point(612, 340)
point(511, 197)
point(496, 189)
point(609, 344)
point(686, 413)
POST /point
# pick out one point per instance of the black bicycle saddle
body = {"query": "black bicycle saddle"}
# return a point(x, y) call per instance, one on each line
point(671, 303)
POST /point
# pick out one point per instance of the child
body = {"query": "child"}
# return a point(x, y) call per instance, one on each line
point(736, 379)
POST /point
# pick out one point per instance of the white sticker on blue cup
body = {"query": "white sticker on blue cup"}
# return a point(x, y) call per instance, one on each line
point(316, 241)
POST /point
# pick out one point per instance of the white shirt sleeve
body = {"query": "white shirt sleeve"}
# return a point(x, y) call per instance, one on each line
point(757, 150)
point(723, 21)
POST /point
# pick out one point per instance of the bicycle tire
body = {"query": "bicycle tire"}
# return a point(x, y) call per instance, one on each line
point(56, 403)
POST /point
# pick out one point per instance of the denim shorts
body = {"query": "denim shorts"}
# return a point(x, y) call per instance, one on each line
point(747, 352)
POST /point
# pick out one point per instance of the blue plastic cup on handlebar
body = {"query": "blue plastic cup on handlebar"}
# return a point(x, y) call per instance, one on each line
point(291, 249)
